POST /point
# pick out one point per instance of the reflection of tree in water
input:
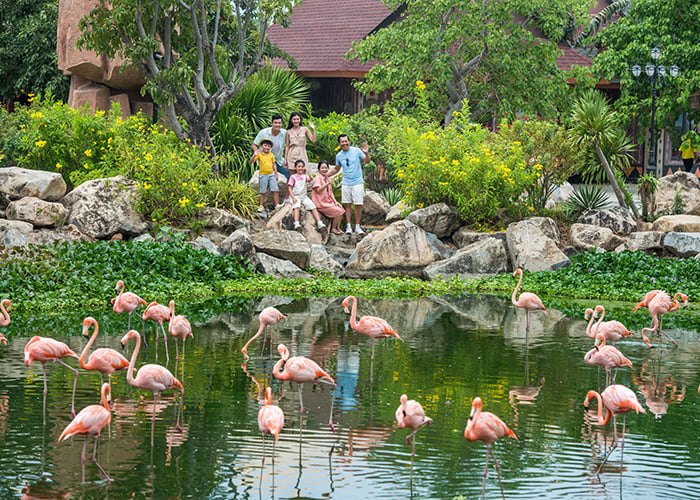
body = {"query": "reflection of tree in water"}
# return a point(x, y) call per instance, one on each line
point(655, 385)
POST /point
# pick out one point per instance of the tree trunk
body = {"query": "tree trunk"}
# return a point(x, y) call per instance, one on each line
point(613, 182)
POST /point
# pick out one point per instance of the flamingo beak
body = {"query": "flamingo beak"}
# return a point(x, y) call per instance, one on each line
point(3, 341)
point(345, 308)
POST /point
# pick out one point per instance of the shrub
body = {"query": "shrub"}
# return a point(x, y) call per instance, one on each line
point(587, 197)
point(230, 194)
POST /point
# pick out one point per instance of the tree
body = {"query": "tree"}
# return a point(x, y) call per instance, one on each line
point(28, 48)
point(594, 122)
point(500, 56)
point(182, 46)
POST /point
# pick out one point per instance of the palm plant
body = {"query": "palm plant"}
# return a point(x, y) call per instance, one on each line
point(595, 123)
point(585, 198)
point(603, 18)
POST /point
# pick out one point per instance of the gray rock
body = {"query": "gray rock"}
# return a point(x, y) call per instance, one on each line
point(143, 237)
point(677, 223)
point(62, 234)
point(12, 238)
point(685, 185)
point(375, 209)
point(439, 219)
point(21, 182)
point(530, 249)
point(617, 219)
point(683, 244)
point(221, 220)
point(202, 243)
point(286, 245)
point(547, 226)
point(396, 212)
point(586, 236)
point(21, 226)
point(239, 243)
point(485, 257)
point(644, 241)
point(465, 236)
point(38, 212)
point(321, 259)
point(279, 268)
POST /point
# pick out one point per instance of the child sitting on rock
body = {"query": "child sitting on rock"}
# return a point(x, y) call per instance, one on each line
point(299, 183)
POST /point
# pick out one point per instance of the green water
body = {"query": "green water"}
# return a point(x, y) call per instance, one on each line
point(454, 349)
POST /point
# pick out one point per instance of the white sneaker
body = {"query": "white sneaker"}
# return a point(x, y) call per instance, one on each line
point(261, 209)
point(320, 224)
point(348, 229)
point(358, 230)
point(297, 225)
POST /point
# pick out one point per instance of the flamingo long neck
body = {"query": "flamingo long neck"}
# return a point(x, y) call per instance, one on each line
point(595, 327)
point(278, 369)
point(589, 331)
point(601, 420)
point(120, 286)
point(83, 354)
point(676, 304)
point(5, 315)
point(353, 313)
point(130, 371)
point(513, 298)
point(105, 402)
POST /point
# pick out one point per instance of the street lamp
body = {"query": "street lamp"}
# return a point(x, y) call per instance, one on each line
point(656, 73)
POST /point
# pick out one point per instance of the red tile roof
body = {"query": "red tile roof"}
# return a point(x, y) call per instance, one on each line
point(572, 57)
point(321, 32)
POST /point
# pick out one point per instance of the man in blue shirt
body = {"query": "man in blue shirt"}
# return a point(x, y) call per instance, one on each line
point(350, 159)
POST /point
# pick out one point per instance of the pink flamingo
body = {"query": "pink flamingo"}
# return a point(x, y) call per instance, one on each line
point(154, 378)
point(180, 328)
point(611, 330)
point(301, 370)
point(268, 316)
point(410, 414)
point(372, 326)
point(647, 298)
point(44, 350)
point(528, 301)
point(90, 421)
point(270, 421)
point(103, 360)
point(5, 308)
point(607, 356)
point(659, 305)
point(160, 314)
point(487, 427)
point(126, 301)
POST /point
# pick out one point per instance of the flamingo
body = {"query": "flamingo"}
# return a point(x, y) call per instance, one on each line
point(611, 330)
point(372, 326)
point(126, 301)
point(43, 350)
point(410, 414)
point(270, 421)
point(154, 378)
point(158, 313)
point(487, 427)
point(647, 298)
point(180, 328)
point(90, 421)
point(103, 360)
point(659, 305)
point(301, 370)
point(5, 308)
point(528, 301)
point(616, 399)
point(607, 356)
point(268, 316)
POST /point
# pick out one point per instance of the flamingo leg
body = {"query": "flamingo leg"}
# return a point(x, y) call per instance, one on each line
point(75, 381)
point(155, 402)
point(46, 387)
point(179, 412)
point(498, 472)
point(330, 417)
point(94, 458)
point(486, 473)
point(82, 455)
point(165, 338)
point(413, 434)
point(301, 399)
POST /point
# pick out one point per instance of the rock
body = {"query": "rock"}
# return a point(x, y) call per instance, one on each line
point(375, 209)
point(21, 226)
point(240, 243)
point(103, 207)
point(143, 237)
point(20, 182)
point(321, 259)
point(547, 226)
point(221, 220)
point(279, 268)
point(677, 223)
point(530, 249)
point(402, 247)
point(201, 243)
point(12, 238)
point(560, 194)
point(62, 234)
point(644, 241)
point(686, 186)
point(439, 219)
point(395, 213)
point(485, 257)
point(287, 245)
point(683, 244)
point(465, 236)
point(283, 218)
point(617, 219)
point(586, 236)
point(37, 212)
point(254, 184)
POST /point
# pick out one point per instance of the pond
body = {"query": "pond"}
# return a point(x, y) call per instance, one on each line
point(453, 349)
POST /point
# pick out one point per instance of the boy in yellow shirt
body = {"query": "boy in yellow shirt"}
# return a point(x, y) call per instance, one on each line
point(267, 171)
point(688, 151)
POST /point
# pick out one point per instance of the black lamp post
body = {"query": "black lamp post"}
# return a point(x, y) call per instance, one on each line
point(656, 73)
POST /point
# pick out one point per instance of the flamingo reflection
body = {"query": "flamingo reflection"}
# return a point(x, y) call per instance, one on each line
point(659, 390)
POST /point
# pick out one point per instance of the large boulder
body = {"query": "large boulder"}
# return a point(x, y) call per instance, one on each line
point(547, 226)
point(586, 236)
point(401, 247)
point(682, 184)
point(619, 220)
point(374, 209)
point(683, 244)
point(63, 234)
point(37, 212)
point(321, 259)
point(221, 220)
point(202, 243)
point(102, 208)
point(465, 236)
point(283, 218)
point(11, 237)
point(21, 182)
point(254, 184)
point(644, 241)
point(396, 211)
point(677, 223)
point(530, 249)
point(286, 245)
point(439, 219)
point(279, 268)
point(18, 225)
point(485, 257)
point(240, 243)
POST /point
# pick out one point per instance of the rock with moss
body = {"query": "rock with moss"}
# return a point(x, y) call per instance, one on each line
point(680, 191)
point(37, 212)
point(587, 236)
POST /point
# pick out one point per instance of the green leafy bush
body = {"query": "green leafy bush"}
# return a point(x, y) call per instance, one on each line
point(586, 197)
point(232, 195)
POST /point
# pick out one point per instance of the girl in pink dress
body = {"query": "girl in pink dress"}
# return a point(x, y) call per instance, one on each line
point(322, 197)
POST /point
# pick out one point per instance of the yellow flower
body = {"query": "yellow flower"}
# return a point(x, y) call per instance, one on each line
point(40, 144)
point(455, 162)
point(183, 201)
point(200, 205)
point(38, 114)
point(146, 185)
point(86, 166)
point(184, 184)
point(88, 152)
point(420, 85)
point(442, 183)
point(58, 165)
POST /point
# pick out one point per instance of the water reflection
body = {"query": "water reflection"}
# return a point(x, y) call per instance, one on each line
point(658, 385)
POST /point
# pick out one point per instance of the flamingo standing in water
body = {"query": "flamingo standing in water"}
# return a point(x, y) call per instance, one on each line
point(270, 421)
point(647, 298)
point(126, 301)
point(158, 313)
point(372, 326)
point(44, 350)
point(90, 421)
point(528, 301)
point(611, 330)
point(268, 316)
point(410, 414)
point(607, 356)
point(103, 360)
point(180, 328)
point(487, 427)
point(301, 370)
point(659, 305)
point(154, 378)
point(5, 308)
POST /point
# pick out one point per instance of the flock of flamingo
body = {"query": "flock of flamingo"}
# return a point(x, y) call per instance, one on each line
point(481, 426)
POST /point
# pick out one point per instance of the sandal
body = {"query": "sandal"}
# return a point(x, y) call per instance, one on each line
point(337, 231)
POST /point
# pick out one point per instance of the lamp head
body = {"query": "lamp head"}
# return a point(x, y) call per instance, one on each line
point(655, 53)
